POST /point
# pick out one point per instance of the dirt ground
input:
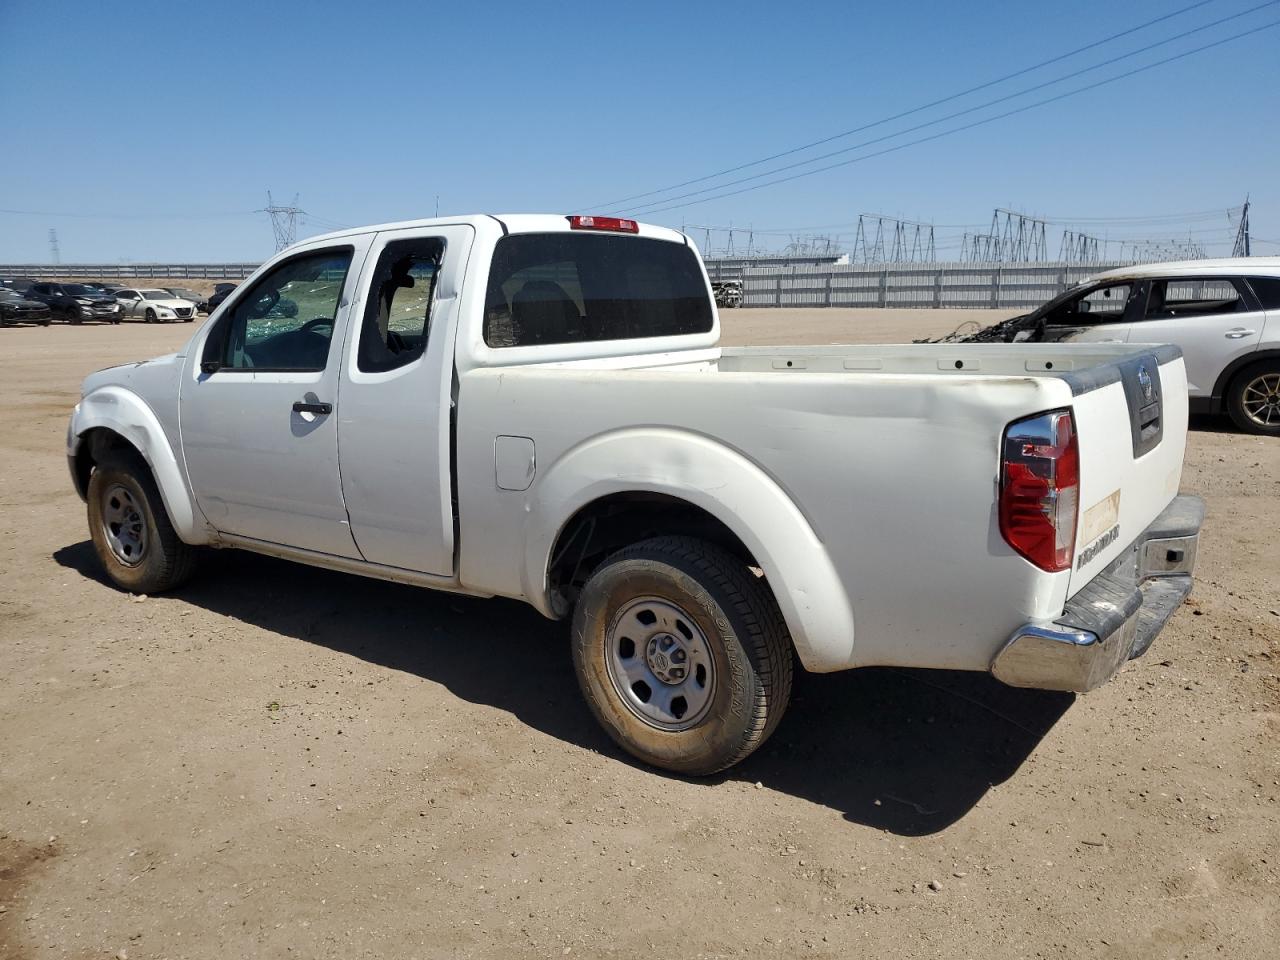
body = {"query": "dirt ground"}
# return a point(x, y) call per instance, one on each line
point(280, 761)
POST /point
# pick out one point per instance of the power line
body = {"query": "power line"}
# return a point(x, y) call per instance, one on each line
point(913, 110)
point(952, 116)
point(973, 124)
point(127, 216)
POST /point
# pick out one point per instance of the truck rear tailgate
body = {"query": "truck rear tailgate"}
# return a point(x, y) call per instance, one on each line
point(1131, 424)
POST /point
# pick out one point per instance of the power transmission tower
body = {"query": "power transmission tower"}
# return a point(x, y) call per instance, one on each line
point(980, 248)
point(284, 221)
point(54, 252)
point(1241, 248)
point(1078, 248)
point(1022, 238)
point(910, 241)
point(1153, 251)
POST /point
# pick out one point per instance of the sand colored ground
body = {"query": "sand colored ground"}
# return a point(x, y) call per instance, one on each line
point(278, 761)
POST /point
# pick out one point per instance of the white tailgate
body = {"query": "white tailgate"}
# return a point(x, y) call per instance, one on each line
point(1120, 493)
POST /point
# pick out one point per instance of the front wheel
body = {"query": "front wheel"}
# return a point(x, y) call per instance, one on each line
point(74, 315)
point(151, 316)
point(682, 654)
point(1254, 398)
point(131, 532)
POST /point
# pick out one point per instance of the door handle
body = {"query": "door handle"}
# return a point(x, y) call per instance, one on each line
point(302, 406)
point(1239, 333)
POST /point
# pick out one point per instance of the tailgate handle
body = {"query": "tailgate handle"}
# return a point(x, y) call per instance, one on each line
point(1149, 420)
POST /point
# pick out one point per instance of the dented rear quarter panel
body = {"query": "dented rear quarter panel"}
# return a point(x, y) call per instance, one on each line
point(893, 476)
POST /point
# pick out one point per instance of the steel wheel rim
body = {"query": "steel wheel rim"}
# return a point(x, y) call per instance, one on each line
point(660, 663)
point(124, 525)
point(1261, 400)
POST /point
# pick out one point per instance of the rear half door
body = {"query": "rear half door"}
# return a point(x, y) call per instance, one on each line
point(395, 411)
point(1213, 319)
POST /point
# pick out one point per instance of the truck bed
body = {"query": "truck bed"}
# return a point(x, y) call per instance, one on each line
point(908, 438)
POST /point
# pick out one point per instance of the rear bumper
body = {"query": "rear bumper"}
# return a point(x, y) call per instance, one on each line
point(1116, 616)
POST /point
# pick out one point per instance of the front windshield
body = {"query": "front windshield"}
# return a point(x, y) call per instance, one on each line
point(157, 294)
point(1058, 300)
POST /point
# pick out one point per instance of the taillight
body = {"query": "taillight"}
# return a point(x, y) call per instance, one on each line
point(612, 224)
point(1040, 489)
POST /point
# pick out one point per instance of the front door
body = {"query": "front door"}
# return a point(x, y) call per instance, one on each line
point(396, 387)
point(258, 405)
point(1100, 314)
point(1213, 319)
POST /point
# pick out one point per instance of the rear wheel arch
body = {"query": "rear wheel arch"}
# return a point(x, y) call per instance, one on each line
point(620, 520)
point(1251, 396)
point(728, 501)
point(1227, 378)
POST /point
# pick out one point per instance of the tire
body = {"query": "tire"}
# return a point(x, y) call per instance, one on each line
point(123, 498)
point(73, 315)
point(715, 640)
point(1253, 399)
point(46, 322)
point(151, 316)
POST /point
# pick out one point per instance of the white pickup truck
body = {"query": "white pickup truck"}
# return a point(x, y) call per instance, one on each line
point(536, 407)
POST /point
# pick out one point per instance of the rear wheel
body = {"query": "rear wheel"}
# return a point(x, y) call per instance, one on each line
point(682, 654)
point(1254, 398)
point(130, 529)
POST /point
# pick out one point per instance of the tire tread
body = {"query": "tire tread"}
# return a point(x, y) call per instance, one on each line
point(768, 641)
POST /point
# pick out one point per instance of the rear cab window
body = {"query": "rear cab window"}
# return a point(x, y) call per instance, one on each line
point(549, 288)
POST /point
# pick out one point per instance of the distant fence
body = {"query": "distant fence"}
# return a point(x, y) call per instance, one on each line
point(940, 285)
point(108, 271)
point(937, 285)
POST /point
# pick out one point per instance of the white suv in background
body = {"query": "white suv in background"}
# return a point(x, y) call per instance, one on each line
point(1224, 314)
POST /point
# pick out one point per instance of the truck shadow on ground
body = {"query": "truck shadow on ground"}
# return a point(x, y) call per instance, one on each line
point(908, 751)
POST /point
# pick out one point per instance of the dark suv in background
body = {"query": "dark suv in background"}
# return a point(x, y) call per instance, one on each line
point(220, 292)
point(76, 302)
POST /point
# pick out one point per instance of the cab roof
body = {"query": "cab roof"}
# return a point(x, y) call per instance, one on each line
point(508, 222)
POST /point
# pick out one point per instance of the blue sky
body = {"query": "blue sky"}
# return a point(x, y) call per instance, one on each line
point(152, 131)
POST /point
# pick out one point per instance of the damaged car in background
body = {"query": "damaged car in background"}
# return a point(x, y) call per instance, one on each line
point(1224, 314)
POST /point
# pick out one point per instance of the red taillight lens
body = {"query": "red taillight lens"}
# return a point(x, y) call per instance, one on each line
point(1040, 489)
point(612, 224)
